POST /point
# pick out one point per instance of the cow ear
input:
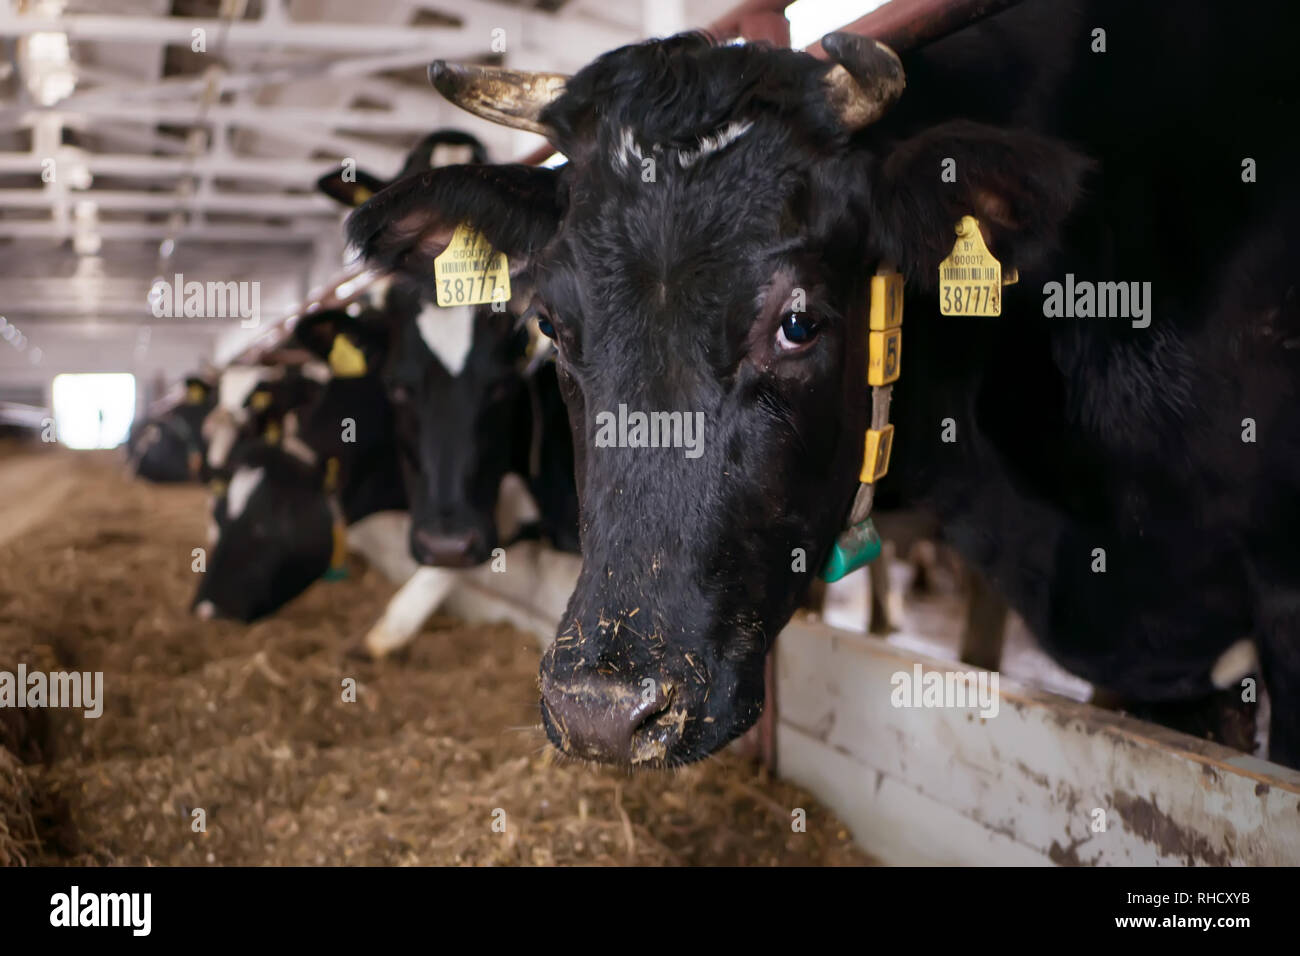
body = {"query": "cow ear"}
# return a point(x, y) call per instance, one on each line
point(316, 331)
point(406, 226)
point(1019, 185)
point(354, 190)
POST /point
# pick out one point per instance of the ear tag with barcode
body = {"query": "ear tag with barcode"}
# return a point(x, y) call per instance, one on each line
point(970, 279)
point(470, 272)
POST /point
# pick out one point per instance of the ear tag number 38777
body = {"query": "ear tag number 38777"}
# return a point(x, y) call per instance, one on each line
point(470, 272)
point(970, 279)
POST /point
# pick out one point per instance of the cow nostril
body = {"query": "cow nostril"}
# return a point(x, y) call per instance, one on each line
point(446, 550)
point(659, 730)
point(613, 722)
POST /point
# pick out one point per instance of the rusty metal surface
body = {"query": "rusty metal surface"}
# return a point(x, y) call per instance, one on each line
point(908, 24)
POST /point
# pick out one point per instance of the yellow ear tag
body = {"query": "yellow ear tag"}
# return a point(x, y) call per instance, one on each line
point(346, 360)
point(360, 195)
point(195, 394)
point(272, 433)
point(970, 279)
point(470, 272)
point(260, 401)
point(331, 475)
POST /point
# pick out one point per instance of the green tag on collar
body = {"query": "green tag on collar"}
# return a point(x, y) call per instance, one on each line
point(854, 548)
point(338, 569)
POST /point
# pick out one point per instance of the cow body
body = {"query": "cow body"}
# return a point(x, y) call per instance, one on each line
point(307, 469)
point(707, 249)
point(171, 447)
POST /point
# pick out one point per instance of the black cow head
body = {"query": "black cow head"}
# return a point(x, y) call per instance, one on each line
point(463, 420)
point(706, 252)
point(443, 147)
point(455, 379)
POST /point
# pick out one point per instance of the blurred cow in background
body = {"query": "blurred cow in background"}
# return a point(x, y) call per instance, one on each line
point(279, 521)
point(454, 411)
point(481, 425)
point(170, 447)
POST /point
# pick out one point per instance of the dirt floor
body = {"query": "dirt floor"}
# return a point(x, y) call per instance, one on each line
point(248, 724)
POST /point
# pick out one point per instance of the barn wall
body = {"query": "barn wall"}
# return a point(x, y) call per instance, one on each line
point(1032, 785)
point(115, 347)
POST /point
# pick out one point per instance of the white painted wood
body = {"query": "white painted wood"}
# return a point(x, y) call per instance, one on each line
point(1038, 770)
point(943, 786)
point(888, 818)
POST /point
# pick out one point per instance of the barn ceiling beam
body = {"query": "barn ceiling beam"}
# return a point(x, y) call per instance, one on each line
point(244, 204)
point(196, 232)
point(184, 114)
point(465, 40)
point(578, 38)
point(303, 172)
point(117, 88)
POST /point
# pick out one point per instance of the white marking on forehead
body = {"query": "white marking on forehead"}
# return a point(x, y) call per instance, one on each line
point(719, 140)
point(627, 149)
point(450, 154)
point(242, 485)
point(628, 153)
point(449, 333)
point(316, 371)
point(239, 381)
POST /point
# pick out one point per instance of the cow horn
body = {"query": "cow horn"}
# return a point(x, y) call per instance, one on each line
point(865, 81)
point(513, 98)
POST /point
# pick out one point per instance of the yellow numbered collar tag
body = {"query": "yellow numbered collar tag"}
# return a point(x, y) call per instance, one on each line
point(970, 279)
point(470, 272)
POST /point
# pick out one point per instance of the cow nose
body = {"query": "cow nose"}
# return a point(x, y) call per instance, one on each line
point(446, 550)
point(612, 722)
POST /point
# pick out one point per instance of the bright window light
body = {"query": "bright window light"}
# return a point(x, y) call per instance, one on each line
point(95, 410)
point(810, 20)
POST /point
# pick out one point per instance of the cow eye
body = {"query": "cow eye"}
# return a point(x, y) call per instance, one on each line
point(797, 330)
point(545, 327)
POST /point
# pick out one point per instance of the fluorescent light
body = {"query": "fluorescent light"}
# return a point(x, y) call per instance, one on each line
point(94, 410)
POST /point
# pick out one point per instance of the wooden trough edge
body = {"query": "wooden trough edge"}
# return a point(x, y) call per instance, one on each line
point(1044, 780)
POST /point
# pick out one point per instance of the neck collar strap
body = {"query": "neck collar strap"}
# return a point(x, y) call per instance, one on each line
point(859, 544)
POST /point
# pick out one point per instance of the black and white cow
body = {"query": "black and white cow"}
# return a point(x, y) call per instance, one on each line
point(708, 248)
point(171, 447)
point(484, 435)
point(331, 463)
point(430, 405)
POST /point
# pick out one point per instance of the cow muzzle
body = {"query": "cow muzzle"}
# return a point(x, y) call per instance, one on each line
point(595, 718)
point(448, 550)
